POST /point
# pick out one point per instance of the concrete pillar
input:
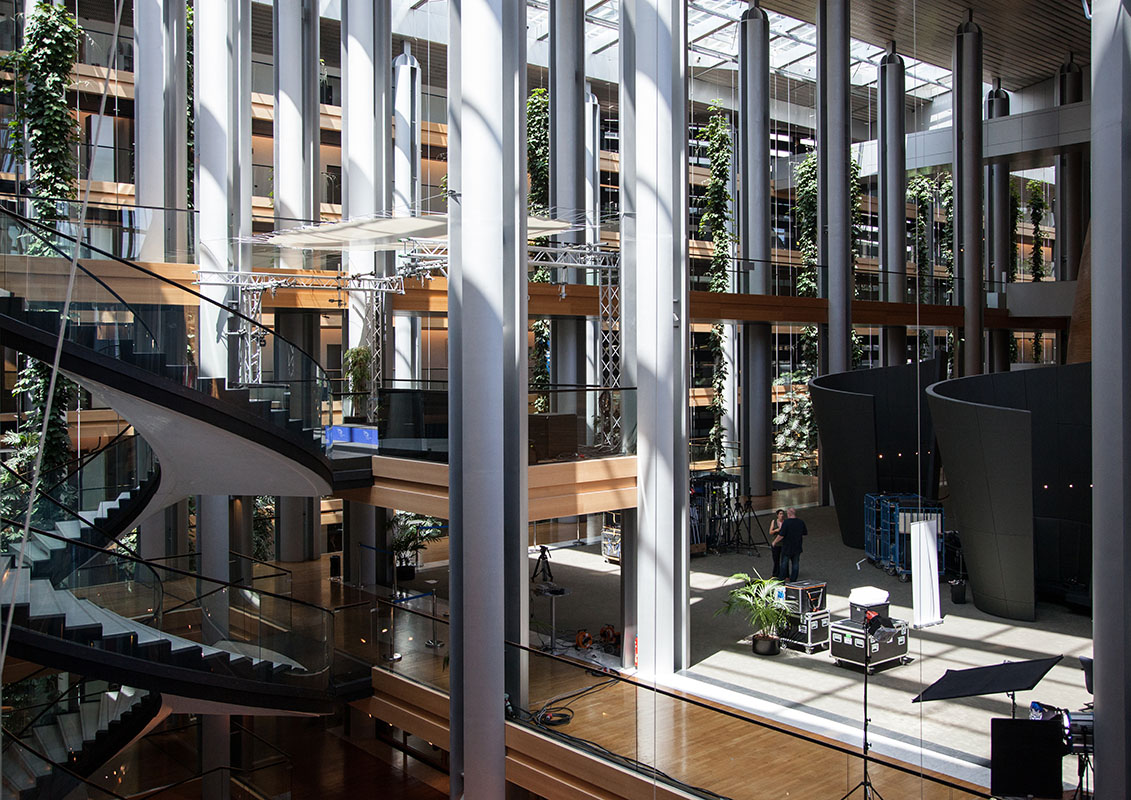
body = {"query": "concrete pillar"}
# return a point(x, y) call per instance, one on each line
point(595, 522)
point(1070, 187)
point(567, 177)
point(241, 534)
point(213, 542)
point(366, 134)
point(893, 199)
point(755, 247)
point(834, 137)
point(161, 126)
point(297, 529)
point(487, 383)
point(1111, 393)
point(215, 756)
point(297, 129)
point(997, 228)
point(407, 134)
point(968, 190)
point(222, 32)
point(655, 302)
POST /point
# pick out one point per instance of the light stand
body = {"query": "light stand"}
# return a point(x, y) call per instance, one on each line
point(880, 628)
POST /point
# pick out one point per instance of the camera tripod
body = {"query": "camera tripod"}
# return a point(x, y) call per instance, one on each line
point(870, 792)
point(542, 567)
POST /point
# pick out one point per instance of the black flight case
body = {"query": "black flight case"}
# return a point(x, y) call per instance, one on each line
point(808, 631)
point(847, 639)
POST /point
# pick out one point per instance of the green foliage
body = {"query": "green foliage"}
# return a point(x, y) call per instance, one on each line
point(43, 131)
point(33, 383)
point(757, 599)
point(1037, 208)
point(263, 528)
point(411, 534)
point(715, 223)
point(190, 127)
point(795, 432)
point(538, 149)
point(538, 165)
point(1014, 224)
point(356, 371)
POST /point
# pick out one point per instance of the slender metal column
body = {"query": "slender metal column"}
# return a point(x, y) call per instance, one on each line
point(406, 129)
point(1111, 392)
point(592, 168)
point(406, 194)
point(359, 548)
point(367, 112)
point(968, 190)
point(213, 543)
point(997, 213)
point(654, 267)
point(223, 170)
point(1069, 182)
point(487, 292)
point(833, 142)
point(160, 125)
point(893, 198)
point(567, 174)
point(755, 247)
point(215, 754)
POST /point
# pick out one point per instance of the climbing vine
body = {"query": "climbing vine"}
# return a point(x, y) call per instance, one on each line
point(43, 132)
point(1037, 208)
point(928, 194)
point(715, 223)
point(795, 434)
point(538, 166)
point(1014, 255)
point(33, 384)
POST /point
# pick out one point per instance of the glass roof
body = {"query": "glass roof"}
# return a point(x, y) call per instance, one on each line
point(713, 37)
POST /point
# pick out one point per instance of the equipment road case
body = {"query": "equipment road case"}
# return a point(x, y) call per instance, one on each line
point(808, 632)
point(846, 644)
point(803, 597)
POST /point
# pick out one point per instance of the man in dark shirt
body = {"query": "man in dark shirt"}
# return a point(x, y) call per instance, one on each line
point(789, 537)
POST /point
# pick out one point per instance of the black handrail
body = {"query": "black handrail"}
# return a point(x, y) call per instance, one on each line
point(156, 276)
point(82, 461)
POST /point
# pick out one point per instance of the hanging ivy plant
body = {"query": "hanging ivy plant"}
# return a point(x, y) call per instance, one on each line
point(538, 166)
point(1014, 254)
point(33, 383)
point(714, 223)
point(43, 132)
point(1037, 208)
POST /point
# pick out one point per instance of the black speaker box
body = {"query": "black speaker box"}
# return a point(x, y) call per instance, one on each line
point(1025, 758)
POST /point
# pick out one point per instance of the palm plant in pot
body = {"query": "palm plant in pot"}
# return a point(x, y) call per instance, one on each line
point(763, 605)
point(411, 534)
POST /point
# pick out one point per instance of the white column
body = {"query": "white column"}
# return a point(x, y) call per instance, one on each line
point(655, 302)
point(161, 125)
point(297, 129)
point(487, 379)
point(366, 131)
point(223, 169)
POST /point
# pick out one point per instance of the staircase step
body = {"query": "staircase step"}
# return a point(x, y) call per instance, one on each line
point(32, 764)
point(70, 726)
point(115, 629)
point(45, 609)
point(69, 529)
point(15, 586)
point(18, 776)
point(51, 743)
point(79, 625)
point(33, 551)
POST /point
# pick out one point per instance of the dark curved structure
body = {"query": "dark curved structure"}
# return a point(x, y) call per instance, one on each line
point(1017, 451)
point(873, 424)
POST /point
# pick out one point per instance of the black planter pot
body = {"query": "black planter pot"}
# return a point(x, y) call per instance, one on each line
point(767, 645)
point(406, 572)
point(958, 592)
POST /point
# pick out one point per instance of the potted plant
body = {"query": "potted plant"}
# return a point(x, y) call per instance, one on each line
point(355, 369)
point(411, 534)
point(759, 599)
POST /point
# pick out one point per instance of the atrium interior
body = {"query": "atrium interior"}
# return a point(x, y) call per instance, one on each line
point(565, 398)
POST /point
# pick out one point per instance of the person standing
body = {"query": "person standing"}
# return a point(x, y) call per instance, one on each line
point(775, 529)
point(789, 537)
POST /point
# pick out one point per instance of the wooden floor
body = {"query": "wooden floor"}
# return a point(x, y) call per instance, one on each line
point(694, 744)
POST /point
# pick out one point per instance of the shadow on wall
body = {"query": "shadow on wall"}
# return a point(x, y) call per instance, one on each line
point(873, 425)
point(1017, 448)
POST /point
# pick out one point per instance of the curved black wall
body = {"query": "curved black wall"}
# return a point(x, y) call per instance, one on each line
point(873, 423)
point(1016, 448)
